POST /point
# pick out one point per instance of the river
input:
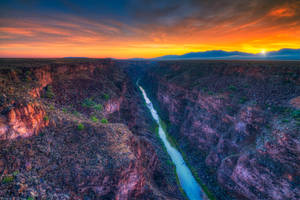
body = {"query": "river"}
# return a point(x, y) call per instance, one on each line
point(185, 176)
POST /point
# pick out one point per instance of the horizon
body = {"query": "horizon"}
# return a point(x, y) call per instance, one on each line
point(126, 29)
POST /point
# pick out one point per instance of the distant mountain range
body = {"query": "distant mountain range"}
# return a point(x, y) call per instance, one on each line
point(283, 54)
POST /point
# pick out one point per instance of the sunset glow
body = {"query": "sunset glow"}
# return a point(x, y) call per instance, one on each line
point(137, 29)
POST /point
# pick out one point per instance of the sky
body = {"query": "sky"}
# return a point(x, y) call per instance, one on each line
point(145, 28)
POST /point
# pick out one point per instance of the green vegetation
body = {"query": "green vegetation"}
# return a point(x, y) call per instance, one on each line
point(280, 109)
point(106, 96)
point(88, 102)
point(210, 93)
point(51, 107)
point(98, 107)
point(76, 113)
point(49, 92)
point(243, 100)
point(94, 119)
point(46, 118)
point(64, 110)
point(16, 173)
point(296, 114)
point(8, 179)
point(30, 198)
point(285, 120)
point(205, 89)
point(104, 120)
point(80, 126)
point(232, 88)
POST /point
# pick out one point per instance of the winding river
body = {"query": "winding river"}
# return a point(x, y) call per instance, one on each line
point(186, 178)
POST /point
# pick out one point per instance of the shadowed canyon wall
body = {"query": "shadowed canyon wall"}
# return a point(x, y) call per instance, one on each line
point(236, 122)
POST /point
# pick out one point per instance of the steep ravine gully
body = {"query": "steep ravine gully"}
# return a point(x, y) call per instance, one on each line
point(80, 129)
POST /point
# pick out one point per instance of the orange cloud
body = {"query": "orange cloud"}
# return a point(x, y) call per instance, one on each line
point(282, 12)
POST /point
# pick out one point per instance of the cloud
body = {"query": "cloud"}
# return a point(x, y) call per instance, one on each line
point(173, 25)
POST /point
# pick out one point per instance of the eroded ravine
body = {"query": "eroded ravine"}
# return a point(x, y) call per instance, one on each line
point(186, 179)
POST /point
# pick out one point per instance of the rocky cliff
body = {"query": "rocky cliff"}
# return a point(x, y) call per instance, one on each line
point(77, 129)
point(236, 122)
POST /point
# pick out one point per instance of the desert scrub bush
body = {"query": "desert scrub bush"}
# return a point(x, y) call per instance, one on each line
point(64, 110)
point(104, 120)
point(88, 102)
point(280, 109)
point(106, 96)
point(94, 119)
point(51, 107)
point(46, 118)
point(232, 88)
point(80, 127)
point(243, 100)
point(98, 107)
point(296, 114)
point(49, 92)
point(76, 113)
point(7, 179)
point(285, 120)
point(210, 93)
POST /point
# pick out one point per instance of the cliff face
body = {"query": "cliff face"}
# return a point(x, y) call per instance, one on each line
point(237, 123)
point(78, 130)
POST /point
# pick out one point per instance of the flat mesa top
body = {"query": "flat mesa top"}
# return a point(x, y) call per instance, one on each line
point(9, 63)
point(38, 62)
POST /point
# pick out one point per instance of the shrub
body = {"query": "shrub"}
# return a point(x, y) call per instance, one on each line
point(51, 107)
point(16, 173)
point(232, 88)
point(205, 89)
point(104, 121)
point(80, 126)
point(106, 96)
point(46, 118)
point(49, 92)
point(64, 110)
point(98, 107)
point(243, 100)
point(94, 119)
point(76, 113)
point(296, 114)
point(88, 102)
point(7, 179)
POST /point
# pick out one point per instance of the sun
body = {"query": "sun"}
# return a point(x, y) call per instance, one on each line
point(263, 52)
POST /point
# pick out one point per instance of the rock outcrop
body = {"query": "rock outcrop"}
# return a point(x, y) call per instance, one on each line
point(78, 130)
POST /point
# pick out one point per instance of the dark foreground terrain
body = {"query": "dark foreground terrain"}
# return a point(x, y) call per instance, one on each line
point(79, 129)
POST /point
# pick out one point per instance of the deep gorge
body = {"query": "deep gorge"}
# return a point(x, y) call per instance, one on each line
point(79, 128)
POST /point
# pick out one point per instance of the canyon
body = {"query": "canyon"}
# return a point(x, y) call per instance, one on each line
point(237, 122)
point(80, 129)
